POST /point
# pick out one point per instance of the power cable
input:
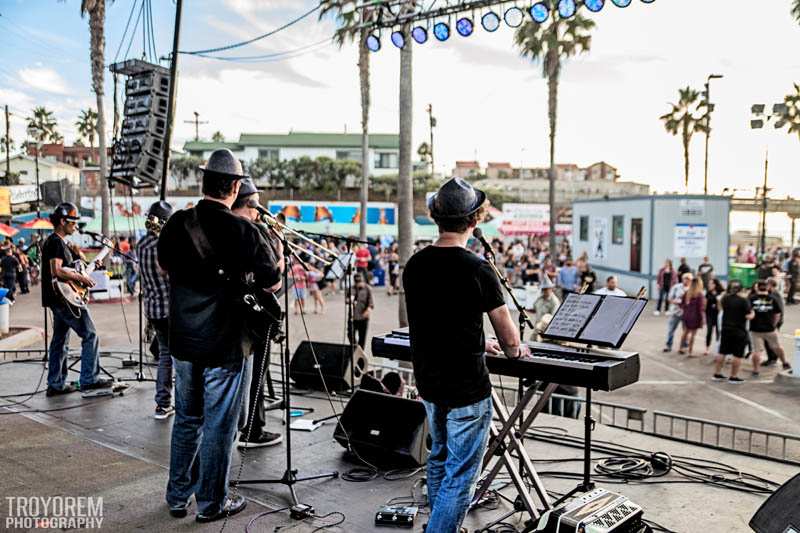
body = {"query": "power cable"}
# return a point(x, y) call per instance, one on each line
point(254, 39)
point(272, 56)
point(125, 33)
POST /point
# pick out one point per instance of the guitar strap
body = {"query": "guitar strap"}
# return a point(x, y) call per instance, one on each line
point(198, 236)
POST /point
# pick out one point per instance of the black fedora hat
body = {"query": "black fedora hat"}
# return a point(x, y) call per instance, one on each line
point(456, 198)
point(222, 162)
point(247, 188)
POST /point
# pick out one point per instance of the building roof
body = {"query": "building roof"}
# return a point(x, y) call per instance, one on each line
point(498, 165)
point(467, 164)
point(44, 161)
point(300, 140)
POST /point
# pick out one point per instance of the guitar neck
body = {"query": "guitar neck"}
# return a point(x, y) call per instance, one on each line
point(103, 253)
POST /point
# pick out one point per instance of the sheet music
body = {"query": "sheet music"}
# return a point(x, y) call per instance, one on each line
point(572, 315)
point(615, 317)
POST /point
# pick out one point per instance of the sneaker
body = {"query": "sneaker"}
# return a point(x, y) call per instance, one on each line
point(58, 392)
point(259, 441)
point(787, 366)
point(666, 349)
point(181, 511)
point(755, 375)
point(163, 413)
point(101, 383)
point(656, 313)
point(735, 381)
point(719, 377)
point(232, 506)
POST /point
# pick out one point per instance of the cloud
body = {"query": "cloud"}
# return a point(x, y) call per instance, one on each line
point(44, 79)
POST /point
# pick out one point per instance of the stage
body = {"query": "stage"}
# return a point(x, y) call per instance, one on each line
point(114, 449)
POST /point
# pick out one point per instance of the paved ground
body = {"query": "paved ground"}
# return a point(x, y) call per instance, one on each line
point(114, 448)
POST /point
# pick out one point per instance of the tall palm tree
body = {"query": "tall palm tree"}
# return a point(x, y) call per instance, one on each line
point(796, 10)
point(96, 9)
point(44, 120)
point(686, 118)
point(405, 183)
point(551, 43)
point(349, 20)
point(87, 127)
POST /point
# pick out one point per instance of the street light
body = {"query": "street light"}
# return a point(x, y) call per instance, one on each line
point(709, 110)
point(758, 121)
point(35, 133)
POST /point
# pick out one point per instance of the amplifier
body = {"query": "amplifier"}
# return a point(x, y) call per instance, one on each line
point(396, 516)
point(597, 511)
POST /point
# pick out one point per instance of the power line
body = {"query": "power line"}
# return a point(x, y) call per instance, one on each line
point(276, 56)
point(254, 39)
point(125, 33)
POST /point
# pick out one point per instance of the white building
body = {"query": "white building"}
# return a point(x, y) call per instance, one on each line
point(49, 170)
point(384, 149)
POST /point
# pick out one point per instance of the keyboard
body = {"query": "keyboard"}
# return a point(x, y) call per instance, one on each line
point(599, 369)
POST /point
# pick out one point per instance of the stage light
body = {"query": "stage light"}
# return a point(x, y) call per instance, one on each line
point(622, 3)
point(566, 8)
point(373, 43)
point(490, 21)
point(539, 12)
point(595, 5)
point(441, 31)
point(648, 1)
point(420, 35)
point(513, 17)
point(464, 26)
point(398, 39)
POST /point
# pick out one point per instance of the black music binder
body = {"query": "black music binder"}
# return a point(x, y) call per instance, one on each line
point(599, 320)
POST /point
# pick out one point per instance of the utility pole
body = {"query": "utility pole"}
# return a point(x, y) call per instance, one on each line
point(432, 122)
point(764, 205)
point(709, 110)
point(196, 123)
point(173, 82)
point(759, 120)
point(8, 146)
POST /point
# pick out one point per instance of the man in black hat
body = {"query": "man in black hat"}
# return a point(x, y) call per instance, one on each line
point(155, 293)
point(57, 254)
point(207, 251)
point(447, 291)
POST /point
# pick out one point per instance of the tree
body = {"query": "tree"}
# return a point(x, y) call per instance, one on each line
point(342, 169)
point(44, 120)
point(96, 9)
point(3, 144)
point(551, 43)
point(184, 167)
point(424, 153)
point(348, 30)
point(405, 184)
point(792, 101)
point(796, 10)
point(685, 119)
point(87, 127)
point(218, 137)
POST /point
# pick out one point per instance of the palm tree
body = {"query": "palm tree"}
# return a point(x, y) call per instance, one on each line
point(796, 10)
point(685, 119)
point(44, 120)
point(551, 43)
point(348, 21)
point(87, 127)
point(96, 9)
point(405, 184)
point(218, 137)
point(792, 101)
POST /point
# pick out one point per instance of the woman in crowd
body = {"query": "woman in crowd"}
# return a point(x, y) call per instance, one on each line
point(667, 278)
point(693, 307)
point(714, 292)
point(393, 266)
point(314, 276)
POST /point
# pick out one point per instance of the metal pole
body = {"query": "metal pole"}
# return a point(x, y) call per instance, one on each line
point(708, 134)
point(173, 81)
point(38, 188)
point(764, 205)
point(8, 149)
point(431, 122)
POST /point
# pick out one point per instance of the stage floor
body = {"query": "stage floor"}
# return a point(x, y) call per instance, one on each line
point(115, 449)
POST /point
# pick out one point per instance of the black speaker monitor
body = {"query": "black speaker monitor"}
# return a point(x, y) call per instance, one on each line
point(388, 431)
point(334, 364)
point(781, 512)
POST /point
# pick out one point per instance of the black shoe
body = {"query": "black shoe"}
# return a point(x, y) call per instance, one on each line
point(58, 392)
point(101, 383)
point(719, 377)
point(264, 439)
point(232, 506)
point(769, 362)
point(787, 366)
point(180, 512)
point(735, 381)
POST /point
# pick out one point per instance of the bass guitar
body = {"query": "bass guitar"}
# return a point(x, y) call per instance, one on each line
point(74, 293)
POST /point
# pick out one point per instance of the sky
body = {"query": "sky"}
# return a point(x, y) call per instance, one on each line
point(490, 104)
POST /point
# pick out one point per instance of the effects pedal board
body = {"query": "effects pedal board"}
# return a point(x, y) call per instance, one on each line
point(396, 516)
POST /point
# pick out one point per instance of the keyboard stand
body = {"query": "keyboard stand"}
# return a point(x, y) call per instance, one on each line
point(504, 441)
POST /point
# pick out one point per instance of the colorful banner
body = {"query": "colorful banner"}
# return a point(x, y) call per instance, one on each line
point(137, 206)
point(382, 213)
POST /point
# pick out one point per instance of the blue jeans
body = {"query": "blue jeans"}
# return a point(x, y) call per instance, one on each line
point(459, 438)
point(207, 402)
point(63, 321)
point(164, 375)
point(672, 326)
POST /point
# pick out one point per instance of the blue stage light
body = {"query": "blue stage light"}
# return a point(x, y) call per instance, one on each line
point(464, 26)
point(622, 3)
point(514, 17)
point(420, 35)
point(441, 31)
point(648, 1)
point(398, 39)
point(539, 12)
point(373, 43)
point(490, 21)
point(594, 5)
point(566, 8)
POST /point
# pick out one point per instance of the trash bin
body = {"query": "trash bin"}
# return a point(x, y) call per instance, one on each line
point(743, 272)
point(4, 312)
point(379, 277)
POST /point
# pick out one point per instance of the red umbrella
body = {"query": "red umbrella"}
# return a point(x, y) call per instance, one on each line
point(7, 231)
point(37, 223)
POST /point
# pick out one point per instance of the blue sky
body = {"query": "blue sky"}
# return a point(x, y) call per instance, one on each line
point(490, 103)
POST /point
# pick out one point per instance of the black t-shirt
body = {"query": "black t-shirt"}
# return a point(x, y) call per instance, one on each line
point(683, 269)
point(734, 314)
point(9, 266)
point(765, 307)
point(206, 315)
point(447, 290)
point(54, 248)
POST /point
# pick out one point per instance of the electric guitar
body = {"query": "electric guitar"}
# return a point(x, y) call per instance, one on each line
point(74, 293)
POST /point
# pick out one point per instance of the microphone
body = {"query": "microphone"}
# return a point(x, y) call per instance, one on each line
point(92, 234)
point(487, 248)
point(253, 204)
